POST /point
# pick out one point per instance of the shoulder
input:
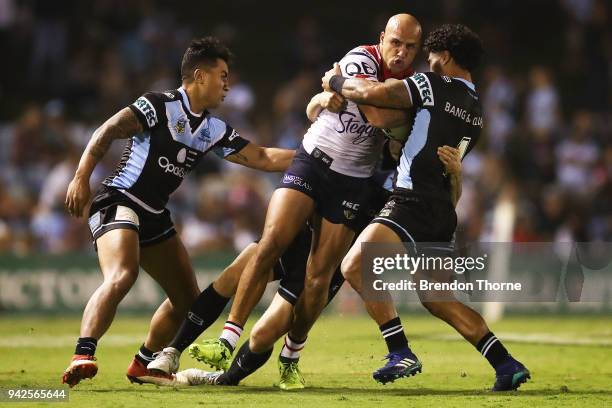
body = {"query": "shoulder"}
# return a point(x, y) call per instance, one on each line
point(362, 61)
point(217, 127)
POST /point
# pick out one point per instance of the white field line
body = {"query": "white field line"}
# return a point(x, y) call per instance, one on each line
point(535, 338)
point(48, 341)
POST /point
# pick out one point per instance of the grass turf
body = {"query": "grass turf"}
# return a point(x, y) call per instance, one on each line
point(569, 358)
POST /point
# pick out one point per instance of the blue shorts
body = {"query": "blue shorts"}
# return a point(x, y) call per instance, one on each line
point(338, 198)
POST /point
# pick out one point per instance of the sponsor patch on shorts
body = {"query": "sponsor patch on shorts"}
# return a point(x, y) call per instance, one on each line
point(95, 221)
point(126, 214)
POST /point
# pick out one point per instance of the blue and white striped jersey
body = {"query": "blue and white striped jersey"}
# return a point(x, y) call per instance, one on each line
point(174, 140)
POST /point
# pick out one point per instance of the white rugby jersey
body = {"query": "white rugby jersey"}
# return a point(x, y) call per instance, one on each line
point(347, 137)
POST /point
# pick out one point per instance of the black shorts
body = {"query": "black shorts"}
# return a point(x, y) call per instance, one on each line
point(416, 218)
point(111, 209)
point(290, 269)
point(340, 199)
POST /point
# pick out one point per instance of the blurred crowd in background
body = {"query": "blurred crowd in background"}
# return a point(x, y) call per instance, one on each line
point(546, 87)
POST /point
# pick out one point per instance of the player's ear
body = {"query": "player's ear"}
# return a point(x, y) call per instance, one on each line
point(199, 76)
point(446, 57)
point(382, 37)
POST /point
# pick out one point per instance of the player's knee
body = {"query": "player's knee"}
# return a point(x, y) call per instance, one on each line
point(317, 285)
point(269, 249)
point(121, 281)
point(260, 339)
point(435, 308)
point(350, 267)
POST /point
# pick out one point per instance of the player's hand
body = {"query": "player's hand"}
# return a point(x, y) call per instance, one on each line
point(332, 102)
point(449, 156)
point(77, 196)
point(334, 71)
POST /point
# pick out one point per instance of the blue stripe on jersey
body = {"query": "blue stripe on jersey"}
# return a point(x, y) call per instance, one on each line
point(136, 161)
point(416, 142)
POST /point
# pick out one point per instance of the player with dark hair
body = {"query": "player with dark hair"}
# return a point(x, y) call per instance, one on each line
point(421, 209)
point(168, 133)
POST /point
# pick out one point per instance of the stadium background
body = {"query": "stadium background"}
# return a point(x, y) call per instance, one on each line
point(68, 65)
point(546, 156)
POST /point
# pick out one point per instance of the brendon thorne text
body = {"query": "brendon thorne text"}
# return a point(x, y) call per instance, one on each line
point(425, 285)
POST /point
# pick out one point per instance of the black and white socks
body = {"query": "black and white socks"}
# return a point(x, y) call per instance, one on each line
point(86, 346)
point(205, 311)
point(393, 333)
point(492, 349)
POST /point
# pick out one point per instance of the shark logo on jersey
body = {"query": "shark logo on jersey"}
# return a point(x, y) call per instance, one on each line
point(180, 125)
point(169, 95)
point(424, 87)
point(204, 135)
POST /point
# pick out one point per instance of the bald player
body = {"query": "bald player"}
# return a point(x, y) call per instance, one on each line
point(327, 181)
point(338, 154)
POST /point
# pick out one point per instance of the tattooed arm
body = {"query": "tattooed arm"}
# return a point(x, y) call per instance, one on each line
point(389, 94)
point(263, 158)
point(122, 125)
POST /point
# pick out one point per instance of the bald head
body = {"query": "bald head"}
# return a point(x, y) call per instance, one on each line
point(400, 42)
point(404, 23)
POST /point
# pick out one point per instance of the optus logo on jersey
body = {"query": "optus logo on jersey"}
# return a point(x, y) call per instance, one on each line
point(168, 167)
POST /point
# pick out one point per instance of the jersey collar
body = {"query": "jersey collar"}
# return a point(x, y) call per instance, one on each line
point(468, 83)
point(186, 102)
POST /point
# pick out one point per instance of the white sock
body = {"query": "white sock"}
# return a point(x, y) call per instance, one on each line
point(231, 333)
point(292, 348)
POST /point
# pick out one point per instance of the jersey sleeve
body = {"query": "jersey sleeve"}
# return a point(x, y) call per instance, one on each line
point(358, 63)
point(148, 109)
point(228, 141)
point(423, 87)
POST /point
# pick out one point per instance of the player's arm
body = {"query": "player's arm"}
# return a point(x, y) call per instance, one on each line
point(385, 118)
point(122, 125)
point(263, 158)
point(389, 94)
point(451, 158)
point(324, 100)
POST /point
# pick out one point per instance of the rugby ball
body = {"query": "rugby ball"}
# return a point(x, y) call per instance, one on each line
point(399, 134)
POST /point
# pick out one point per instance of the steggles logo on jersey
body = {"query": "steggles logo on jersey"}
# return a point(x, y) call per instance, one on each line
point(350, 124)
point(168, 167)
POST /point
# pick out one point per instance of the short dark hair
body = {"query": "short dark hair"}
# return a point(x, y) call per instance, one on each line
point(203, 51)
point(463, 44)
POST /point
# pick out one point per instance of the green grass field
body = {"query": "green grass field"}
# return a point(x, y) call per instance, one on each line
point(569, 357)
